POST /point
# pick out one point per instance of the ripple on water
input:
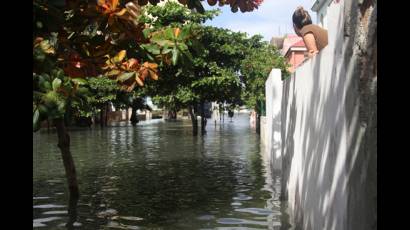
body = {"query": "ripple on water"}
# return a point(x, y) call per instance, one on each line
point(107, 213)
point(40, 221)
point(240, 221)
point(117, 225)
point(55, 212)
point(41, 198)
point(75, 224)
point(37, 225)
point(54, 181)
point(256, 211)
point(206, 217)
point(242, 197)
point(45, 206)
point(132, 218)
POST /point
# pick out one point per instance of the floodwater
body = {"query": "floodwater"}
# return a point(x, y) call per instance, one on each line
point(158, 176)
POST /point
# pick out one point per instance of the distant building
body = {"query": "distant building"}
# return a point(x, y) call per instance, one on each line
point(277, 42)
point(294, 50)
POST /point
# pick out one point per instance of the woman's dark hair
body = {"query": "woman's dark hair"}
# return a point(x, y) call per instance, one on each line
point(301, 18)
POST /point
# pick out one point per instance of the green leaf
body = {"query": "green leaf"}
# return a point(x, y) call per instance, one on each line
point(36, 119)
point(41, 79)
point(61, 106)
point(174, 55)
point(198, 47)
point(82, 91)
point(169, 33)
point(37, 95)
point(79, 81)
point(165, 51)
point(185, 32)
point(45, 85)
point(125, 76)
point(182, 46)
point(163, 43)
point(188, 55)
point(151, 48)
point(56, 83)
point(42, 109)
point(150, 57)
point(146, 32)
point(58, 73)
point(50, 98)
point(39, 24)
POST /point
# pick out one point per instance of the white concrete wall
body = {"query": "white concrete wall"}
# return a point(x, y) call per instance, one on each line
point(272, 141)
point(315, 135)
point(327, 114)
point(263, 131)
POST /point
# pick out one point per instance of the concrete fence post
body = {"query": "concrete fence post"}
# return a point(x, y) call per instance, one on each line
point(273, 139)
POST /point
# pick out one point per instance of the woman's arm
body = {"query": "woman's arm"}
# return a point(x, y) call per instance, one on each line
point(310, 43)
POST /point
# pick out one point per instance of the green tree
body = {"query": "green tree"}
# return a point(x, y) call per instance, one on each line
point(214, 72)
point(255, 69)
point(80, 40)
point(77, 39)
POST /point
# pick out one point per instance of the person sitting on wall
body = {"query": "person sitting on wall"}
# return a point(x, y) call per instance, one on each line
point(315, 37)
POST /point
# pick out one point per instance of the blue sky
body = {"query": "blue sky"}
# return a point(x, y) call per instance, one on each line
point(272, 16)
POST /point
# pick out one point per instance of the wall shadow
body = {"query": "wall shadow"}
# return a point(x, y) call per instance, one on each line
point(330, 183)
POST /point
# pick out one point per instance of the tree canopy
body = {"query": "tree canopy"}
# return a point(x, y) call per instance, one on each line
point(255, 69)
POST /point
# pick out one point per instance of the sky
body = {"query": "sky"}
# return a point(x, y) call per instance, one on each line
point(273, 18)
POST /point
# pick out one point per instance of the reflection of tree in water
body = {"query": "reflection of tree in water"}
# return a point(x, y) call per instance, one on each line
point(72, 212)
point(161, 190)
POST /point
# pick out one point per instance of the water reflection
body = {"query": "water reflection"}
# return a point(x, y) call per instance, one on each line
point(158, 175)
point(72, 213)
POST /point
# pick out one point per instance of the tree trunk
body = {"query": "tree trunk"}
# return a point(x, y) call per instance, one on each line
point(203, 118)
point(106, 114)
point(102, 117)
point(258, 123)
point(72, 212)
point(48, 125)
point(64, 145)
point(126, 114)
point(172, 115)
point(194, 121)
point(134, 118)
point(90, 122)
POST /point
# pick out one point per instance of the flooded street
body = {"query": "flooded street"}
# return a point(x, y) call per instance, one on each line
point(158, 176)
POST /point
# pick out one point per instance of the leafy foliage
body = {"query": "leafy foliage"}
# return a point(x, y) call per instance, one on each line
point(82, 48)
point(80, 40)
point(255, 69)
point(212, 73)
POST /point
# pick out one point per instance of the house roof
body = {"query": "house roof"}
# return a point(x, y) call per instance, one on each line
point(300, 43)
point(291, 40)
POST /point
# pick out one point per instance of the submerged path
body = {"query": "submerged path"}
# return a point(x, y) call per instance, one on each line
point(158, 176)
